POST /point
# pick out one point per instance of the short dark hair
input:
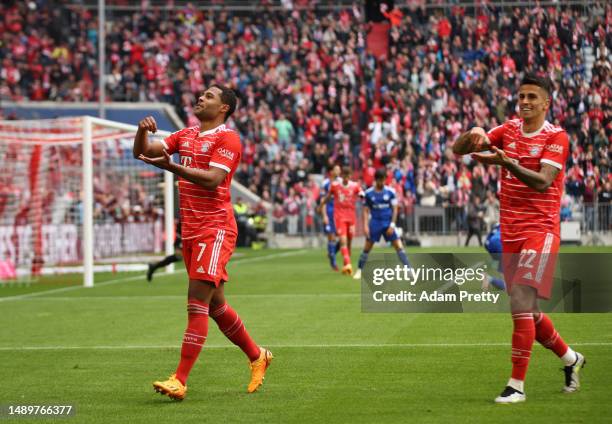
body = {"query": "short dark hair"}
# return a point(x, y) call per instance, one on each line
point(346, 170)
point(228, 97)
point(543, 82)
point(380, 174)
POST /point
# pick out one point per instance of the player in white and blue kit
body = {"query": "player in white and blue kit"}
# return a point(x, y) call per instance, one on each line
point(379, 214)
point(494, 247)
point(330, 228)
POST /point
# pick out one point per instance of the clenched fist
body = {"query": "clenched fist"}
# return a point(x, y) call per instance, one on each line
point(148, 124)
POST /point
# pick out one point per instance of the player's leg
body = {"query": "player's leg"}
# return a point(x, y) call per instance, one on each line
point(342, 230)
point(231, 325)
point(228, 320)
point(198, 299)
point(161, 264)
point(332, 248)
point(363, 258)
point(396, 242)
point(332, 242)
point(547, 336)
point(522, 301)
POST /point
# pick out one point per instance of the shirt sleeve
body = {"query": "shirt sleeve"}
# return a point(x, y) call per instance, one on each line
point(496, 135)
point(227, 152)
point(556, 151)
point(171, 143)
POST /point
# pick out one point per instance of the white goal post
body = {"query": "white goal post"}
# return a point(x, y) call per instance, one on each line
point(71, 192)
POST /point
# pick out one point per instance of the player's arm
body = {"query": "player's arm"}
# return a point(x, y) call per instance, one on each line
point(474, 140)
point(366, 220)
point(142, 145)
point(537, 180)
point(207, 178)
point(324, 200)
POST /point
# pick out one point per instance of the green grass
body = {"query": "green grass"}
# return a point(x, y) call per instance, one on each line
point(101, 348)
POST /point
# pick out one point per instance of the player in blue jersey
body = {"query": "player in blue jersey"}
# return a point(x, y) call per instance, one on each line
point(330, 228)
point(379, 215)
point(494, 247)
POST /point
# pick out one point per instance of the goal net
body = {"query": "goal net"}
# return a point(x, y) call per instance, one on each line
point(71, 193)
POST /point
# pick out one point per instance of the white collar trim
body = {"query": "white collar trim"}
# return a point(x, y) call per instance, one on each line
point(536, 132)
point(213, 130)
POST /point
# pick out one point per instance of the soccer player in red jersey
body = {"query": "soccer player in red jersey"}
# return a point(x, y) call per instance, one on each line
point(209, 155)
point(532, 154)
point(346, 194)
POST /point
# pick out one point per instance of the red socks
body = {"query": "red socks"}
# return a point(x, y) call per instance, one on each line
point(231, 325)
point(345, 255)
point(522, 340)
point(548, 336)
point(194, 338)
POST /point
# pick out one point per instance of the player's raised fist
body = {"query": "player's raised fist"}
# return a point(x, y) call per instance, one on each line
point(148, 124)
point(478, 140)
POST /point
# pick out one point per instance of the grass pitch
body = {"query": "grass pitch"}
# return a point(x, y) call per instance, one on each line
point(100, 348)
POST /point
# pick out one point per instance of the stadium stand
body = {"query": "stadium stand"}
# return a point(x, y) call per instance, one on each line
point(312, 94)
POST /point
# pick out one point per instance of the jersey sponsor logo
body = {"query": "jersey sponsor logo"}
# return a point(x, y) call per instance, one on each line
point(512, 145)
point(535, 150)
point(206, 147)
point(555, 148)
point(226, 153)
point(185, 144)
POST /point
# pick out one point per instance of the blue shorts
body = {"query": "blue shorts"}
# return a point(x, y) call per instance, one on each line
point(378, 229)
point(330, 228)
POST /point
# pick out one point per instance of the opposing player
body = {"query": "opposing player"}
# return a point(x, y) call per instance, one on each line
point(170, 259)
point(379, 215)
point(345, 194)
point(209, 154)
point(532, 154)
point(330, 227)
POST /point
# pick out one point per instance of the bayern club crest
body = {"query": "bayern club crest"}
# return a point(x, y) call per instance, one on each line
point(534, 151)
point(205, 147)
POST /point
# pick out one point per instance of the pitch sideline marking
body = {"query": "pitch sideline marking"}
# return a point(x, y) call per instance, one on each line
point(139, 277)
point(313, 346)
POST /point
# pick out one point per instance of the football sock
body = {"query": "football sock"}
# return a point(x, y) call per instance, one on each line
point(331, 252)
point(194, 338)
point(401, 254)
point(231, 325)
point(522, 341)
point(548, 337)
point(517, 384)
point(363, 259)
point(345, 255)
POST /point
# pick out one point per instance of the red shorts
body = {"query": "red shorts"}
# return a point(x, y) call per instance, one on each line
point(531, 262)
point(345, 227)
point(206, 255)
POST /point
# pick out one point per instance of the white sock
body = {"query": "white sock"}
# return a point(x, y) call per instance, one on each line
point(570, 357)
point(517, 384)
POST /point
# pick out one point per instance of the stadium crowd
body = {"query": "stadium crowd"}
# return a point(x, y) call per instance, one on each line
point(312, 95)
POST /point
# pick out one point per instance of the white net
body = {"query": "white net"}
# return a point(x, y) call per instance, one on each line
point(41, 192)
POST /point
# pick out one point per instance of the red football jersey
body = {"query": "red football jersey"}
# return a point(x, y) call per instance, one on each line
point(345, 199)
point(523, 210)
point(200, 208)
